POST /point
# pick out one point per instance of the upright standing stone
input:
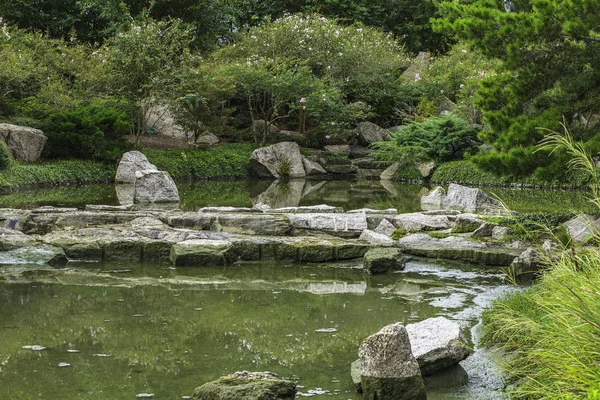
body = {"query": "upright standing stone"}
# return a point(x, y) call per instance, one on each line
point(388, 368)
point(130, 163)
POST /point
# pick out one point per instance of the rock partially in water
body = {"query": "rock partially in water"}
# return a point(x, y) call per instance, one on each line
point(381, 260)
point(130, 163)
point(473, 200)
point(278, 160)
point(437, 343)
point(246, 385)
point(153, 186)
point(388, 368)
point(458, 248)
point(12, 239)
point(526, 266)
point(35, 254)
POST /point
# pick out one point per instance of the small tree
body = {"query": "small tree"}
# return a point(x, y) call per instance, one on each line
point(145, 61)
point(273, 89)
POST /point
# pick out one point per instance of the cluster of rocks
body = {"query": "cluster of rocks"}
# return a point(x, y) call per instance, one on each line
point(393, 361)
point(398, 362)
point(138, 181)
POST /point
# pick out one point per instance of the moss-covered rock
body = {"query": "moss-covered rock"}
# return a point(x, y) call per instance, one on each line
point(382, 260)
point(247, 386)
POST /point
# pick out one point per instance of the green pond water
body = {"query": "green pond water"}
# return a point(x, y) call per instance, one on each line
point(346, 194)
point(115, 331)
point(127, 330)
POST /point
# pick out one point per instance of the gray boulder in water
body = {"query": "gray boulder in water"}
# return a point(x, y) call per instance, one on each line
point(155, 187)
point(472, 200)
point(278, 160)
point(388, 369)
point(437, 343)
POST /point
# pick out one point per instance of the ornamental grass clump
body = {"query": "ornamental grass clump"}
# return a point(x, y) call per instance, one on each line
point(5, 156)
point(552, 330)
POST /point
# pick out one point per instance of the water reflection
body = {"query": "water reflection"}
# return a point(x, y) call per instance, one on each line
point(166, 331)
point(346, 194)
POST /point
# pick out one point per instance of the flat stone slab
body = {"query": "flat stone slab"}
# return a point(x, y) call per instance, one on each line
point(345, 224)
point(417, 222)
point(458, 248)
point(437, 343)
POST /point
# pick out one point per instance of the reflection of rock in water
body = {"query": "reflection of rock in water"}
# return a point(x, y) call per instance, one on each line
point(125, 193)
point(389, 186)
point(335, 287)
point(279, 193)
point(312, 186)
point(451, 377)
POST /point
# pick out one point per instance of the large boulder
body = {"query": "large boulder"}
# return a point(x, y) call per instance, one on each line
point(413, 73)
point(246, 385)
point(161, 118)
point(472, 200)
point(381, 260)
point(153, 186)
point(368, 132)
point(437, 343)
point(388, 369)
point(25, 143)
point(130, 163)
point(278, 160)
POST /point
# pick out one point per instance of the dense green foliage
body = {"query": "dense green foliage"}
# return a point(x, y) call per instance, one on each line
point(226, 161)
point(95, 132)
point(548, 70)
point(440, 139)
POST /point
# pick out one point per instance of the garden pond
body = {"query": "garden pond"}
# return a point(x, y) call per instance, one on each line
point(117, 331)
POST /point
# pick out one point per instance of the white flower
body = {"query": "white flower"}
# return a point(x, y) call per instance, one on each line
point(463, 51)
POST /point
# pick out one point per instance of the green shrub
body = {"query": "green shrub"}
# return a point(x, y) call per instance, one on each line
point(439, 139)
point(5, 156)
point(97, 132)
point(465, 171)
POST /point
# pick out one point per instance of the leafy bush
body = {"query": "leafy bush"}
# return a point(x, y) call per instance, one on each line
point(347, 64)
point(439, 139)
point(465, 171)
point(5, 156)
point(457, 75)
point(97, 132)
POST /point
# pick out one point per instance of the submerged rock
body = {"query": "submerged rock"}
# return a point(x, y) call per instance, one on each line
point(437, 343)
point(381, 260)
point(246, 385)
point(388, 370)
